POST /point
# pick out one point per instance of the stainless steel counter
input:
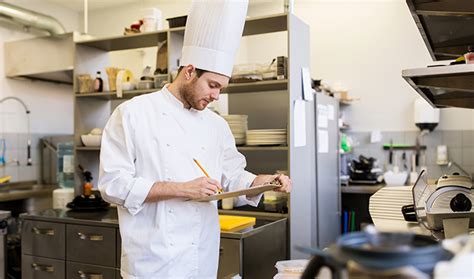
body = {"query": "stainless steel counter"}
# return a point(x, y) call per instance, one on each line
point(24, 190)
point(251, 252)
point(109, 218)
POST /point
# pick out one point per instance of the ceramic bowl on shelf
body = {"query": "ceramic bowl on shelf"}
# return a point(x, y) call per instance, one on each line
point(395, 178)
point(91, 140)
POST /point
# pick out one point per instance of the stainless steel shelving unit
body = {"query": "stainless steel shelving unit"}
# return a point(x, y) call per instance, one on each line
point(445, 27)
point(93, 110)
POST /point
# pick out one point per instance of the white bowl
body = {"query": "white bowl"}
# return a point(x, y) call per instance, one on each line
point(91, 140)
point(395, 178)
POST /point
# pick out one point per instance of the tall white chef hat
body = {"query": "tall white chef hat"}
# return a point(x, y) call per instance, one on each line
point(212, 35)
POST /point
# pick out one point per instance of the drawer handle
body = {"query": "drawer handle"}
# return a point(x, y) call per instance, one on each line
point(36, 230)
point(85, 275)
point(42, 267)
point(221, 251)
point(92, 237)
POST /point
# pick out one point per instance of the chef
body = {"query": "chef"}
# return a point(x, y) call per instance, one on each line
point(148, 149)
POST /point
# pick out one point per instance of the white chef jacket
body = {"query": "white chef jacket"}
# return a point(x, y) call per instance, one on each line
point(154, 138)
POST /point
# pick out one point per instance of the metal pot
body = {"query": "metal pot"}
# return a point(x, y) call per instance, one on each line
point(377, 252)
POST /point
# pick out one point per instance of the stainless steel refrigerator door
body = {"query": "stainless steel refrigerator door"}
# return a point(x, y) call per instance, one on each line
point(328, 195)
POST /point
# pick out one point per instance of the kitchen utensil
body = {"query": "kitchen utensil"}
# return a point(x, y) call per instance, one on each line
point(395, 178)
point(238, 125)
point(235, 223)
point(390, 154)
point(112, 77)
point(413, 173)
point(438, 207)
point(376, 253)
point(94, 202)
point(160, 80)
point(267, 137)
point(145, 84)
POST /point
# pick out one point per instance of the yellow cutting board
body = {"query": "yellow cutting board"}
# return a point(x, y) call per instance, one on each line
point(230, 223)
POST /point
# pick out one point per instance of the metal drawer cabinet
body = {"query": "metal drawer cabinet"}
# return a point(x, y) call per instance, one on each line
point(45, 239)
point(91, 244)
point(42, 268)
point(229, 258)
point(86, 271)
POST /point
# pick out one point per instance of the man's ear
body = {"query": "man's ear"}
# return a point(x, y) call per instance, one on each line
point(189, 70)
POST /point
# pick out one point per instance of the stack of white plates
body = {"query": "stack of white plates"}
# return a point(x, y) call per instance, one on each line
point(238, 125)
point(266, 137)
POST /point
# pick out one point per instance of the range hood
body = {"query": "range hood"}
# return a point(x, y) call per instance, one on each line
point(446, 27)
point(49, 58)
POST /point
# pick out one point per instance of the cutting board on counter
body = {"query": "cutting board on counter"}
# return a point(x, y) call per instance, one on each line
point(230, 223)
point(252, 191)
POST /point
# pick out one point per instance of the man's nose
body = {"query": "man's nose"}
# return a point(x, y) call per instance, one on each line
point(215, 95)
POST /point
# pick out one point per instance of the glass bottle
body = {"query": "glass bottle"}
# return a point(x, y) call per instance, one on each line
point(98, 83)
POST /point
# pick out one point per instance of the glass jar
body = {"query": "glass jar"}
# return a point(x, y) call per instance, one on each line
point(65, 165)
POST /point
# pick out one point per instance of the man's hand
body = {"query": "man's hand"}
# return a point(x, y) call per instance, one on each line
point(284, 180)
point(199, 188)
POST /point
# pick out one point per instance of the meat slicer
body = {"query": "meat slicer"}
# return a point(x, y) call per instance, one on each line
point(443, 208)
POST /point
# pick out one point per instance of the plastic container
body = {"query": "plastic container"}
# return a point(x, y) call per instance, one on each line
point(65, 166)
point(228, 203)
point(61, 197)
point(290, 269)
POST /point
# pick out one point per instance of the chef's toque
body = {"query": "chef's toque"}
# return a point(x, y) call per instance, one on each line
point(212, 35)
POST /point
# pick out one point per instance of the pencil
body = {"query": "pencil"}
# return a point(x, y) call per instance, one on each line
point(205, 173)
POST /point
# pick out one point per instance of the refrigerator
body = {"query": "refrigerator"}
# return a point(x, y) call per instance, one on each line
point(328, 194)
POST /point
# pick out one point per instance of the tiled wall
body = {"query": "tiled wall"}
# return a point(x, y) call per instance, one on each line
point(460, 148)
point(16, 157)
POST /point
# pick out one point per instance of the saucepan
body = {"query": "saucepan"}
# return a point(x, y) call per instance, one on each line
point(377, 251)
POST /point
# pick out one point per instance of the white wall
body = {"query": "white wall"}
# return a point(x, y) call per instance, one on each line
point(51, 105)
point(363, 45)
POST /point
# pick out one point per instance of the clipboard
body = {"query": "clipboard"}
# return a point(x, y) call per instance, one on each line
point(252, 191)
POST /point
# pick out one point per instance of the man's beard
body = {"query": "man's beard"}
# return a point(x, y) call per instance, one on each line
point(188, 94)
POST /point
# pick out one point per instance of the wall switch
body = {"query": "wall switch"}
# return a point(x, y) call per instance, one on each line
point(442, 155)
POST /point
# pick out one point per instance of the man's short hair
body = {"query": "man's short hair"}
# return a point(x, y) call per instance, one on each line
point(199, 72)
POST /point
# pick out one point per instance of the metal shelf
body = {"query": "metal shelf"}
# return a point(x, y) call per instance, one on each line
point(112, 95)
point(87, 148)
point(257, 86)
point(142, 40)
point(360, 189)
point(253, 26)
point(233, 88)
point(262, 148)
point(444, 86)
point(241, 148)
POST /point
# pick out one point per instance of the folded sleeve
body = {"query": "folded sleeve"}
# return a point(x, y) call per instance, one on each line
point(118, 182)
point(234, 175)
